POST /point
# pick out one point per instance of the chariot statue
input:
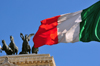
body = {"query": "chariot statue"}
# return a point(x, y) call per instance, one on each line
point(6, 48)
point(34, 50)
point(25, 45)
point(13, 46)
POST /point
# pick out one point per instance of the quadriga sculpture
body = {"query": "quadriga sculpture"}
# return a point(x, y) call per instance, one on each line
point(13, 46)
point(6, 48)
point(25, 45)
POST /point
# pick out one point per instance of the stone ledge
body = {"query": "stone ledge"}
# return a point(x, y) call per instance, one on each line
point(29, 59)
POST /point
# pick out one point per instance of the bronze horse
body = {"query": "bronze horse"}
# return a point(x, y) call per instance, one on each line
point(25, 46)
point(6, 48)
point(13, 46)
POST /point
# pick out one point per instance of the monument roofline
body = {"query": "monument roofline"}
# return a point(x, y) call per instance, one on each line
point(29, 59)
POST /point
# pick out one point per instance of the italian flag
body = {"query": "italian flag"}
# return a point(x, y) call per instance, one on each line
point(82, 26)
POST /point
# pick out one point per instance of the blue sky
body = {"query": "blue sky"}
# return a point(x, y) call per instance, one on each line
point(24, 16)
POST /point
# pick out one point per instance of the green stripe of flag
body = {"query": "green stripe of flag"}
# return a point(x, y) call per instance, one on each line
point(90, 25)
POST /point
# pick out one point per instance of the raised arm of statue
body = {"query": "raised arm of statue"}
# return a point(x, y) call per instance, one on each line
point(21, 35)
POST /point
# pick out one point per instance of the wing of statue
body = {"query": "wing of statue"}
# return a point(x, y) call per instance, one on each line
point(30, 36)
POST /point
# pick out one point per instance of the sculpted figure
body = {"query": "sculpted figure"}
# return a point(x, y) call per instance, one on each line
point(34, 50)
point(13, 46)
point(6, 48)
point(25, 46)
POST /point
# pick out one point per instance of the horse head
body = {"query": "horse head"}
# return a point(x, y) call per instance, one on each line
point(11, 38)
point(3, 42)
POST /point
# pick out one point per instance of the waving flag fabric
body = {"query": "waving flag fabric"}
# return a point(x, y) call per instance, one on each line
point(82, 26)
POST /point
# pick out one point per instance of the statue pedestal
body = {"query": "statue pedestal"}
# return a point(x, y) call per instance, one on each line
point(27, 60)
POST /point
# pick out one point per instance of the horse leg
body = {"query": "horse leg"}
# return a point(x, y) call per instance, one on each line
point(29, 51)
point(16, 51)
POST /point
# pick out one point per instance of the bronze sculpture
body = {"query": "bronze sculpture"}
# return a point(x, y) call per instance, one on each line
point(13, 49)
point(34, 50)
point(25, 46)
point(6, 48)
point(13, 46)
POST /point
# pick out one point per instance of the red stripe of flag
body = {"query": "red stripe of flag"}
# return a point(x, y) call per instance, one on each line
point(47, 32)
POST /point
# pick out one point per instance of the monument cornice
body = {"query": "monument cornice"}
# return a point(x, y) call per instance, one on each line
point(32, 59)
